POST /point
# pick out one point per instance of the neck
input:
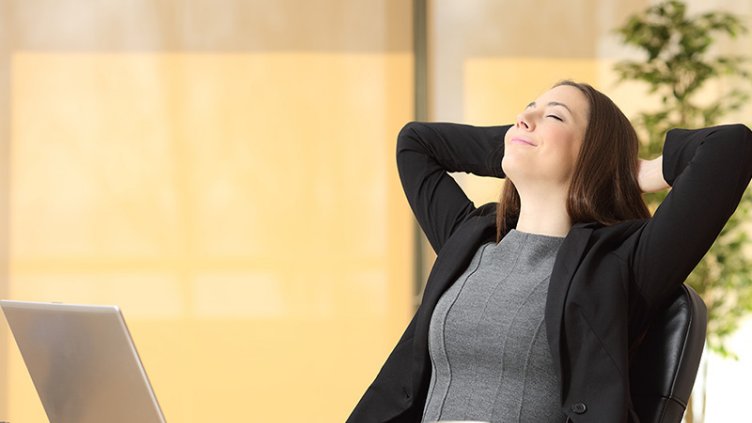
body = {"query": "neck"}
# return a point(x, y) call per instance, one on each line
point(544, 213)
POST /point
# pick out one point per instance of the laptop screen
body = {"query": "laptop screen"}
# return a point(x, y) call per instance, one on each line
point(83, 362)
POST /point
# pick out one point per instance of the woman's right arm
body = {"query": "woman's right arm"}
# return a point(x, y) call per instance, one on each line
point(426, 152)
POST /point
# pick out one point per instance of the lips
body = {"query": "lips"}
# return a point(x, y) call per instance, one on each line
point(522, 141)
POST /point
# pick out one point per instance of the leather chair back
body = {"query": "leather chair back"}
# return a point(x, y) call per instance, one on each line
point(664, 367)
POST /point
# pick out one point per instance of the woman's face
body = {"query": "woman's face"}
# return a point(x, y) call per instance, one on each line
point(543, 144)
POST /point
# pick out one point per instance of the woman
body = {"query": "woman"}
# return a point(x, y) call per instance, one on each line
point(533, 303)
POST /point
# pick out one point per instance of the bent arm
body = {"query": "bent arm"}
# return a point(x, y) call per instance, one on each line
point(426, 152)
point(708, 170)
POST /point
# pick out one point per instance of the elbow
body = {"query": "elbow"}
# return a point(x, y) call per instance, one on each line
point(738, 131)
point(742, 137)
point(741, 131)
point(743, 134)
point(407, 136)
point(408, 131)
point(739, 140)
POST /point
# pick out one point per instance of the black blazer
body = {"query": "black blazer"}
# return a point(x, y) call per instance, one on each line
point(606, 283)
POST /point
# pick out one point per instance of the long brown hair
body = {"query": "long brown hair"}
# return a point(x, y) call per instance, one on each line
point(604, 185)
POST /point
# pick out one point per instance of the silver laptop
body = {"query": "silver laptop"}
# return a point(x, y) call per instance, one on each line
point(83, 363)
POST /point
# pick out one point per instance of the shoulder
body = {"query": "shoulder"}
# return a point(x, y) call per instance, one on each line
point(487, 209)
point(623, 229)
point(482, 216)
point(620, 238)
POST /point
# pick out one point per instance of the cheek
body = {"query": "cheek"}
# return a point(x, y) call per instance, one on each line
point(565, 154)
point(575, 149)
point(569, 144)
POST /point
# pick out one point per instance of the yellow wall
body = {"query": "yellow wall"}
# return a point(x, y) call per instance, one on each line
point(242, 207)
point(224, 171)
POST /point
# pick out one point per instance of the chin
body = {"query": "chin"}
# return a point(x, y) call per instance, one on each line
point(512, 167)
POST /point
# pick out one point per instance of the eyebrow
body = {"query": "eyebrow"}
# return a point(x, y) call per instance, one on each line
point(552, 103)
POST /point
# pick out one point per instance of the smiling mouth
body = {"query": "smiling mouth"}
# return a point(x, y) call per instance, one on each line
point(522, 141)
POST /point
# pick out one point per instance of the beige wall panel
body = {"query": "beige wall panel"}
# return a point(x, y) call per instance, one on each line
point(243, 209)
point(536, 29)
point(4, 149)
point(211, 25)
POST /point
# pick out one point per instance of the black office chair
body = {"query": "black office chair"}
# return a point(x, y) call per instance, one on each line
point(664, 367)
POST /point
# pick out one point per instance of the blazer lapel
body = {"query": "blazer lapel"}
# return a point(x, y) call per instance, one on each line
point(567, 260)
point(456, 256)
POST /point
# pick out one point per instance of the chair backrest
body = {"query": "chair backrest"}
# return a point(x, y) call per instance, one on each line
point(664, 367)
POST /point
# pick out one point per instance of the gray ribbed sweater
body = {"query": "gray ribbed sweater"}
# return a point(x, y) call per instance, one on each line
point(487, 339)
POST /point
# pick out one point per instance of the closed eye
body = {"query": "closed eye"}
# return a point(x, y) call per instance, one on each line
point(556, 117)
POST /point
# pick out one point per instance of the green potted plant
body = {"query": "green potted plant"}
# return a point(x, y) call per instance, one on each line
point(680, 71)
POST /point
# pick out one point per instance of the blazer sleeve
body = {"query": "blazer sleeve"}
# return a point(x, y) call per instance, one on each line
point(708, 170)
point(426, 152)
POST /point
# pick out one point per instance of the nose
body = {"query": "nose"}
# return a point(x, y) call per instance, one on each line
point(524, 121)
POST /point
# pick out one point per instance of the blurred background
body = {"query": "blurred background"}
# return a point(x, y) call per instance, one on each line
point(223, 170)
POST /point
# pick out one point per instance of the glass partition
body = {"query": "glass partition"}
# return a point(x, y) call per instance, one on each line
point(223, 171)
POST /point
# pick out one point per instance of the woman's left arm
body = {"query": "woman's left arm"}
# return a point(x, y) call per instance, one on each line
point(708, 170)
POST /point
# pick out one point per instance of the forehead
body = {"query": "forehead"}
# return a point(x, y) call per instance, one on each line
point(569, 95)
